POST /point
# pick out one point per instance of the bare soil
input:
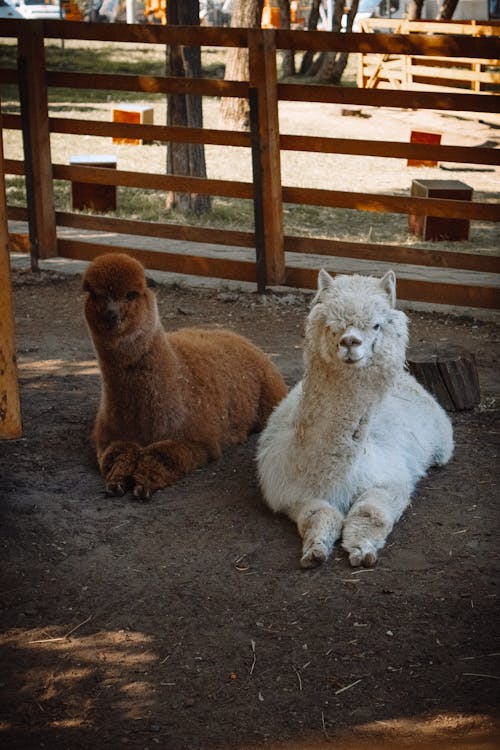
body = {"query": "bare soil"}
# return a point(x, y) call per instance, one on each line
point(187, 622)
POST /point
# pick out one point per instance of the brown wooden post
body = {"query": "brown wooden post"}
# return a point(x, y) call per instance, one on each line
point(36, 141)
point(10, 413)
point(266, 154)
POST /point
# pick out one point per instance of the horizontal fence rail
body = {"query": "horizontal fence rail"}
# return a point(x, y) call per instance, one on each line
point(267, 248)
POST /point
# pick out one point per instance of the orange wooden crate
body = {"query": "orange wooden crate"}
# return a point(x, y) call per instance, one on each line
point(139, 114)
point(424, 136)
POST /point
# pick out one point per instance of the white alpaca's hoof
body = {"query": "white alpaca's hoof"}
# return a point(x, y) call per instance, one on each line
point(314, 554)
point(359, 557)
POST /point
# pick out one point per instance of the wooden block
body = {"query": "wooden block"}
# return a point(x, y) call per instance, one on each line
point(140, 114)
point(448, 372)
point(424, 136)
point(438, 227)
point(89, 195)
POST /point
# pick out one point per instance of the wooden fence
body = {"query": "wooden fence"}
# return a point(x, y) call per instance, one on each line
point(267, 245)
point(426, 71)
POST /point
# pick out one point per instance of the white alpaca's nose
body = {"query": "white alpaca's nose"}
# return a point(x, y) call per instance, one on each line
point(349, 340)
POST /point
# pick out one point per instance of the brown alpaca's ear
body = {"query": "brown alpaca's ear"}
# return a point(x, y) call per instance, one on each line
point(151, 283)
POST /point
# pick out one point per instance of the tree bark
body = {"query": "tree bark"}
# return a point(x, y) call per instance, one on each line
point(332, 64)
point(287, 55)
point(312, 25)
point(415, 8)
point(235, 112)
point(185, 110)
point(447, 10)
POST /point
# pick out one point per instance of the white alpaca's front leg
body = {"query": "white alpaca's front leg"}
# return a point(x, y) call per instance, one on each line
point(369, 523)
point(320, 526)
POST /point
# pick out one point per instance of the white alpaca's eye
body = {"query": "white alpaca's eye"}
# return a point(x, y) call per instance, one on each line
point(376, 327)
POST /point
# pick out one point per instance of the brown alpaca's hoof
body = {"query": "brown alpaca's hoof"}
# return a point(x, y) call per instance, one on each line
point(143, 493)
point(115, 489)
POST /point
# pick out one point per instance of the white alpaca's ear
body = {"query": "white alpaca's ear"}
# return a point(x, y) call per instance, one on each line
point(388, 284)
point(325, 281)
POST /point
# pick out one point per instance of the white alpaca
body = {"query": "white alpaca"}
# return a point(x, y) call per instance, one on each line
point(344, 450)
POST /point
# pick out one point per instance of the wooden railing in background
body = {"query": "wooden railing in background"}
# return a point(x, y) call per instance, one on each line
point(414, 71)
point(268, 267)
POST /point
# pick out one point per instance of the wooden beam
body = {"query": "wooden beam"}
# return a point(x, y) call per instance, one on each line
point(266, 152)
point(10, 411)
point(415, 290)
point(36, 140)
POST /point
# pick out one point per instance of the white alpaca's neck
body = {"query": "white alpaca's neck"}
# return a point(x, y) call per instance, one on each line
point(334, 412)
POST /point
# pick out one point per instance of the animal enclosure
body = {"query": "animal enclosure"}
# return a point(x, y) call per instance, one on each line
point(266, 251)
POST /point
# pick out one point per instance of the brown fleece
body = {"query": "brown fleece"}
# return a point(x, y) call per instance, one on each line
point(170, 401)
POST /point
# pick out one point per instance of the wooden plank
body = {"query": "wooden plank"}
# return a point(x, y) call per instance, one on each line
point(146, 132)
point(160, 133)
point(10, 409)
point(228, 188)
point(443, 100)
point(13, 166)
point(154, 229)
point(391, 149)
point(266, 153)
point(393, 254)
point(453, 74)
point(36, 141)
point(147, 84)
point(147, 33)
point(415, 290)
point(392, 203)
point(402, 44)
point(239, 270)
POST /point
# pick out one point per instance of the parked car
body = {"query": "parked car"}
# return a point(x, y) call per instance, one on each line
point(8, 11)
point(35, 9)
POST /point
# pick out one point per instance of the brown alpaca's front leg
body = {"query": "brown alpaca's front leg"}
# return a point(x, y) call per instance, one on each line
point(118, 463)
point(162, 464)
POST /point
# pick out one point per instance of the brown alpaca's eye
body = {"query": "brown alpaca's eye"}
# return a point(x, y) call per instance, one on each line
point(132, 295)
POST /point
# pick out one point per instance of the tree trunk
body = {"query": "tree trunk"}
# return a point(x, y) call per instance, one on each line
point(415, 8)
point(312, 25)
point(287, 55)
point(447, 10)
point(333, 64)
point(235, 112)
point(185, 110)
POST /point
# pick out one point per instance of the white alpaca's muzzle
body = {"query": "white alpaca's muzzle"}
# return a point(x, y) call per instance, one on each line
point(352, 347)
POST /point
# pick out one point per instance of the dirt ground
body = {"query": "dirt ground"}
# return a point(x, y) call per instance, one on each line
point(188, 622)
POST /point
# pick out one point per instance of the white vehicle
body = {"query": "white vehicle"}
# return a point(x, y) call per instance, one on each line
point(8, 11)
point(31, 10)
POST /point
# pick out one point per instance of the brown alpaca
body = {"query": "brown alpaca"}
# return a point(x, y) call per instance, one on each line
point(170, 401)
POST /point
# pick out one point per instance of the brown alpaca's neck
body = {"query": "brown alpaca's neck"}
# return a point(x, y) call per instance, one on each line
point(143, 362)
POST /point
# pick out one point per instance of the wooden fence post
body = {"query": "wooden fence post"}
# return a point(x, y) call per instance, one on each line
point(36, 142)
point(10, 413)
point(266, 157)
